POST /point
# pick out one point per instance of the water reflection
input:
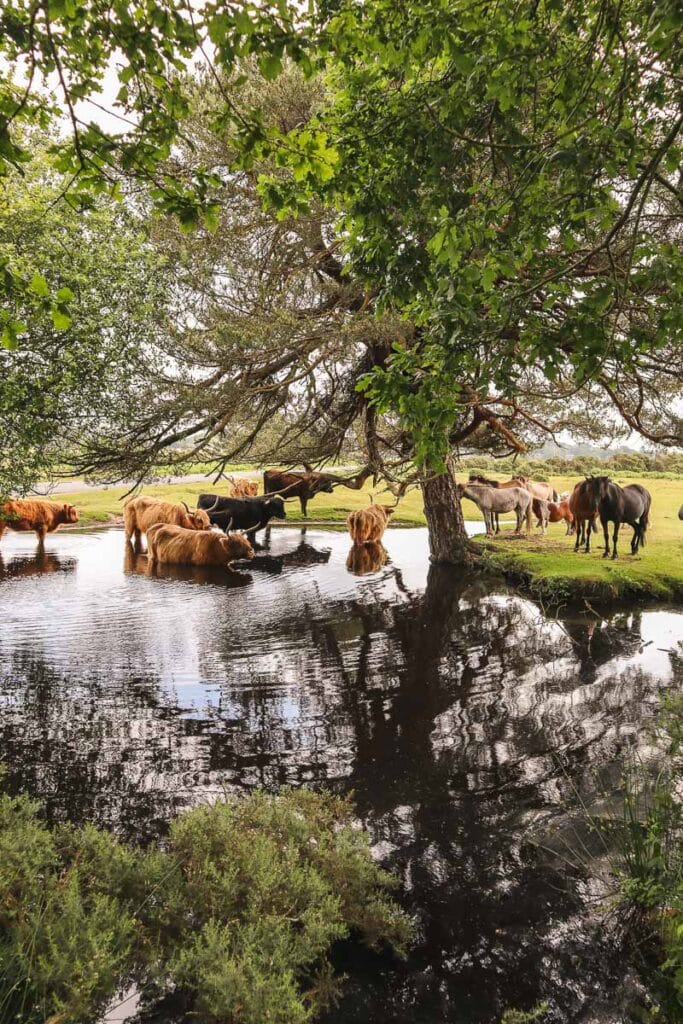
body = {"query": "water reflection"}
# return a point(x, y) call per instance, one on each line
point(40, 563)
point(459, 714)
point(366, 558)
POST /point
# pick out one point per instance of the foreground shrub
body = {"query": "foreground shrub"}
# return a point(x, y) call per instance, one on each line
point(237, 914)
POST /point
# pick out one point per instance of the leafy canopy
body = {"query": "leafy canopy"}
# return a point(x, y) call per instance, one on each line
point(509, 178)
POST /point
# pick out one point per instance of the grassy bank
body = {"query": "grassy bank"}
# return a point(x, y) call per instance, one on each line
point(548, 566)
point(551, 569)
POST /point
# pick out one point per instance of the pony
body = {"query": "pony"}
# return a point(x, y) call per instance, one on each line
point(584, 513)
point(540, 505)
point(615, 504)
point(491, 500)
point(537, 488)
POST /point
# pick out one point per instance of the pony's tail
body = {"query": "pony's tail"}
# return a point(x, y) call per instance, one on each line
point(556, 496)
point(529, 519)
point(594, 525)
point(644, 523)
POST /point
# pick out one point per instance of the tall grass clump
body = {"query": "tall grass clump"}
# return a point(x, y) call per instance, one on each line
point(236, 914)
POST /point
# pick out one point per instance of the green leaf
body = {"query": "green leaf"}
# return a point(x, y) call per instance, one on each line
point(39, 286)
point(60, 318)
point(270, 66)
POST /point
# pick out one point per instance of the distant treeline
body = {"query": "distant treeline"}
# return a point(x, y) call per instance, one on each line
point(633, 463)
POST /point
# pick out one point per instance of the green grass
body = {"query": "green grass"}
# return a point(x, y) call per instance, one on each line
point(548, 565)
point(552, 568)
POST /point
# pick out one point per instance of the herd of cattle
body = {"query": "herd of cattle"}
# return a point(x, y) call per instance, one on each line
point(177, 534)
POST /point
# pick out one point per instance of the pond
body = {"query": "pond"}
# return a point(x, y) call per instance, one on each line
point(468, 723)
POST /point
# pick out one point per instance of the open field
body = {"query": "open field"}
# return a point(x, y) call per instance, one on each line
point(549, 566)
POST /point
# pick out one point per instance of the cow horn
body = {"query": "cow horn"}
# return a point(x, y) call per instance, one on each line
point(187, 507)
point(252, 528)
point(227, 528)
point(214, 506)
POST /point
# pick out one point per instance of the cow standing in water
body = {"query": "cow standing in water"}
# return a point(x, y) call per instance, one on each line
point(141, 512)
point(242, 513)
point(40, 516)
point(367, 525)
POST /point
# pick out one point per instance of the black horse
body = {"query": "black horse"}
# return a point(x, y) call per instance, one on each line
point(615, 504)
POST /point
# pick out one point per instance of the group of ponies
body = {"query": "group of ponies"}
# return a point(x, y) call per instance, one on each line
point(596, 497)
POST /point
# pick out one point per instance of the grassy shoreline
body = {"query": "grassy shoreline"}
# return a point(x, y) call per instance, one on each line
point(546, 567)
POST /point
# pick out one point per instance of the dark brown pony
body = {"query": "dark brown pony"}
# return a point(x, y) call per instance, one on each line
point(585, 513)
point(615, 504)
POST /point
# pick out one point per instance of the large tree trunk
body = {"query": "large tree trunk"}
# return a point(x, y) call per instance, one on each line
point(447, 536)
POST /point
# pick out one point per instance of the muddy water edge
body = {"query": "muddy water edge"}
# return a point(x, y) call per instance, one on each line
point(470, 725)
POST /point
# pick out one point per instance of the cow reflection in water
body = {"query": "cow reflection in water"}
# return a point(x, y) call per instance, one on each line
point(303, 555)
point(363, 559)
point(136, 563)
point(42, 563)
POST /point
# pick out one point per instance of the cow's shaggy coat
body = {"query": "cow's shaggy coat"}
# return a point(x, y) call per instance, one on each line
point(178, 546)
point(37, 515)
point(141, 513)
point(243, 488)
point(367, 525)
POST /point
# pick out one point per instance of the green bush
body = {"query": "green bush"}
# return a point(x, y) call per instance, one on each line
point(236, 914)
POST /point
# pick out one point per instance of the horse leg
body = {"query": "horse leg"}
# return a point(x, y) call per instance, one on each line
point(588, 529)
point(605, 531)
point(635, 540)
point(579, 529)
point(488, 520)
point(615, 538)
point(496, 518)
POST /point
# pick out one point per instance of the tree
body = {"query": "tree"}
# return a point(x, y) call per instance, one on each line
point(55, 56)
point(509, 181)
point(505, 206)
point(61, 383)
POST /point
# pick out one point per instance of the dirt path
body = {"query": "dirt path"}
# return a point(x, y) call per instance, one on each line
point(45, 489)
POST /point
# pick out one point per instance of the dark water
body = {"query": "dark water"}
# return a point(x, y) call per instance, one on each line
point(466, 722)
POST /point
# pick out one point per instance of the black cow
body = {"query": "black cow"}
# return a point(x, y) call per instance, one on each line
point(242, 513)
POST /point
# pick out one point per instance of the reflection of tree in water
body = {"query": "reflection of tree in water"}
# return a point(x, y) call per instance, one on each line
point(458, 717)
point(114, 755)
point(489, 720)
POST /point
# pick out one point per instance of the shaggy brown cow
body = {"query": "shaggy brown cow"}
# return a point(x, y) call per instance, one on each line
point(366, 558)
point(179, 546)
point(304, 486)
point(140, 513)
point(243, 488)
point(38, 515)
point(367, 525)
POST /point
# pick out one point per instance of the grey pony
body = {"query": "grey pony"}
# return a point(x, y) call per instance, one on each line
point(492, 499)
